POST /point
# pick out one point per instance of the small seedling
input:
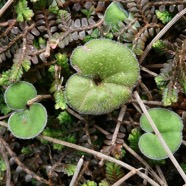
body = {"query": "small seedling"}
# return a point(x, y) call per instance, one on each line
point(106, 73)
point(28, 120)
point(170, 127)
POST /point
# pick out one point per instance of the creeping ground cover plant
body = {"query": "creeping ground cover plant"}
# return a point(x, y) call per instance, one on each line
point(170, 127)
point(106, 73)
point(27, 121)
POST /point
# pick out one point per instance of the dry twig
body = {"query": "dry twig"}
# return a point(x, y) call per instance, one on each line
point(8, 171)
point(76, 173)
point(12, 154)
point(161, 33)
point(127, 176)
point(5, 7)
point(169, 153)
point(99, 155)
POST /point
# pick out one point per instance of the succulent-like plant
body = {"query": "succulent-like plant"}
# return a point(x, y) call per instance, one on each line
point(106, 73)
point(170, 127)
point(27, 121)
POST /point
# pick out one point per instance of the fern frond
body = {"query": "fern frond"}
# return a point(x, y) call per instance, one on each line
point(73, 30)
point(23, 11)
point(172, 5)
point(89, 183)
point(134, 138)
point(115, 150)
point(113, 172)
point(172, 77)
point(140, 9)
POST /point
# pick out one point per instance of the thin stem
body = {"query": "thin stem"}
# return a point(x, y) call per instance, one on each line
point(12, 154)
point(76, 173)
point(99, 155)
point(85, 167)
point(127, 176)
point(168, 151)
point(148, 71)
point(144, 163)
point(4, 117)
point(161, 33)
point(75, 114)
point(8, 171)
point(5, 7)
point(161, 174)
point(38, 98)
point(3, 124)
point(120, 119)
point(184, 142)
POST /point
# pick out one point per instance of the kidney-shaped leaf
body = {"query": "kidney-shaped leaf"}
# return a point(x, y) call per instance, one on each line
point(170, 127)
point(106, 73)
point(28, 123)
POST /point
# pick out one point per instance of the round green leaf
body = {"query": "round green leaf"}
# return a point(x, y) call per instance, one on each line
point(17, 94)
point(28, 123)
point(164, 119)
point(115, 13)
point(170, 127)
point(106, 74)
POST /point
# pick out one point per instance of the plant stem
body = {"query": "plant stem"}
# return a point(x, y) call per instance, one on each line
point(12, 154)
point(161, 33)
point(99, 155)
point(127, 176)
point(119, 121)
point(95, 153)
point(168, 151)
point(6, 160)
point(76, 173)
point(7, 4)
point(139, 158)
point(38, 98)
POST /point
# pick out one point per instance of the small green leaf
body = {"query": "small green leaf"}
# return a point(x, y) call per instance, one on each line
point(134, 138)
point(159, 46)
point(26, 65)
point(161, 82)
point(2, 165)
point(17, 94)
point(170, 127)
point(164, 16)
point(60, 100)
point(104, 183)
point(114, 14)
point(70, 169)
point(23, 11)
point(89, 183)
point(4, 79)
point(64, 118)
point(28, 123)
point(169, 96)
